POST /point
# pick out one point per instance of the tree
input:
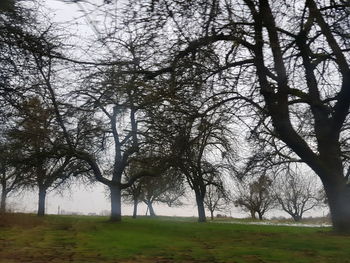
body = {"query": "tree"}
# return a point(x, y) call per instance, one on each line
point(199, 140)
point(132, 195)
point(216, 199)
point(199, 172)
point(296, 57)
point(328, 118)
point(38, 142)
point(166, 188)
point(19, 38)
point(297, 195)
point(10, 178)
point(115, 102)
point(185, 126)
point(255, 197)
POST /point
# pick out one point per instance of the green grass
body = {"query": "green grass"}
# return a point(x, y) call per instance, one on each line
point(93, 239)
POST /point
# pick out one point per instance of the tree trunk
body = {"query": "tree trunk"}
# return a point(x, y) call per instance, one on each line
point(336, 187)
point(339, 205)
point(151, 210)
point(3, 201)
point(212, 214)
point(200, 207)
point(41, 203)
point(116, 204)
point(260, 215)
point(134, 214)
point(296, 218)
point(252, 214)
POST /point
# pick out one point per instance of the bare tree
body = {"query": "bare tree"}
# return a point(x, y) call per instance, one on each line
point(297, 194)
point(38, 142)
point(200, 171)
point(167, 188)
point(196, 135)
point(255, 197)
point(114, 97)
point(216, 199)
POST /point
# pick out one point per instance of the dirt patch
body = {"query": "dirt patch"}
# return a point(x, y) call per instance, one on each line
point(22, 220)
point(49, 257)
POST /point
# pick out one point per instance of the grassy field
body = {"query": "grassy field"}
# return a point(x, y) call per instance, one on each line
point(25, 238)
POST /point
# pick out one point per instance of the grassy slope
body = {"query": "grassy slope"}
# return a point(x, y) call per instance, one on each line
point(92, 239)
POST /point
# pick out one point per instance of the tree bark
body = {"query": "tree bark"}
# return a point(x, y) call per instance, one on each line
point(116, 203)
point(200, 206)
point(134, 214)
point(3, 201)
point(296, 218)
point(338, 195)
point(252, 214)
point(212, 214)
point(150, 208)
point(41, 203)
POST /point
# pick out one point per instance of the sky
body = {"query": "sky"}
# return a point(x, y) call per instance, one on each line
point(92, 199)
